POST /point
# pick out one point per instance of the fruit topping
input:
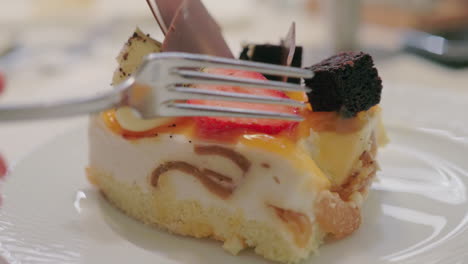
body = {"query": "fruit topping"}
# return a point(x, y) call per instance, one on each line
point(213, 125)
point(347, 83)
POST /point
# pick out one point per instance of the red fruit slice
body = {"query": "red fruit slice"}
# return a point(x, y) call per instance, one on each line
point(211, 125)
point(3, 167)
point(2, 82)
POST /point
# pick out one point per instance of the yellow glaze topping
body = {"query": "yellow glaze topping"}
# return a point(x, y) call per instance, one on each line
point(339, 152)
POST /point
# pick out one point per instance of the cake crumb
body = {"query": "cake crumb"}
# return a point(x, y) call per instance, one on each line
point(265, 165)
point(234, 245)
point(91, 177)
point(276, 180)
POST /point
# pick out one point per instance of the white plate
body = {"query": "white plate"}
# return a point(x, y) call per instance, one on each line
point(417, 213)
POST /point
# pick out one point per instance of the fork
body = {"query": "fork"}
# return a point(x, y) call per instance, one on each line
point(160, 88)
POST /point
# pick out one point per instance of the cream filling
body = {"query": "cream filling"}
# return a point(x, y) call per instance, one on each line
point(281, 185)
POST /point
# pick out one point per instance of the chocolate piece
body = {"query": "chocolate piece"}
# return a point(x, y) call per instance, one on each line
point(274, 54)
point(194, 30)
point(347, 83)
point(289, 45)
point(166, 12)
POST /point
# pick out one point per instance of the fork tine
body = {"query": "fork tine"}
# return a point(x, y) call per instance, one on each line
point(185, 93)
point(185, 109)
point(197, 77)
point(206, 61)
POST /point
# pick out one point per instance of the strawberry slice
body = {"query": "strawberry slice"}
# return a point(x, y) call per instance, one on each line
point(212, 125)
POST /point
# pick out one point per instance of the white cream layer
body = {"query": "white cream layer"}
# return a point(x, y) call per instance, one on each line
point(132, 162)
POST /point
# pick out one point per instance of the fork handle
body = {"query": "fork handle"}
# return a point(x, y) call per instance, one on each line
point(63, 108)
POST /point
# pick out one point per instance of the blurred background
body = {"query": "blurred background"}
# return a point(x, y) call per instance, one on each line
point(50, 49)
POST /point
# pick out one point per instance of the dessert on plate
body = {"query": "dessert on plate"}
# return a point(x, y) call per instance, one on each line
point(279, 187)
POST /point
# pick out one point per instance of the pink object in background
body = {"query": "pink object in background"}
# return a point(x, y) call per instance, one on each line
point(2, 82)
point(3, 167)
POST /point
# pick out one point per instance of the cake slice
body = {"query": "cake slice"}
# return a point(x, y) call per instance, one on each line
point(279, 187)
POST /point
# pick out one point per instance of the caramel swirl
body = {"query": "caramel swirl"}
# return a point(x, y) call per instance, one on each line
point(217, 183)
point(240, 160)
point(297, 223)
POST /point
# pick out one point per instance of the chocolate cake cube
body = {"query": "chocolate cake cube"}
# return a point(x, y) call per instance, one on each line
point(347, 83)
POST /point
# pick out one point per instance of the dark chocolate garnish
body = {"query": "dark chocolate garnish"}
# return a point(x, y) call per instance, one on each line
point(194, 30)
point(273, 54)
point(347, 83)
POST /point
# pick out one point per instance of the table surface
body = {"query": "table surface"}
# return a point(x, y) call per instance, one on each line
point(76, 57)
